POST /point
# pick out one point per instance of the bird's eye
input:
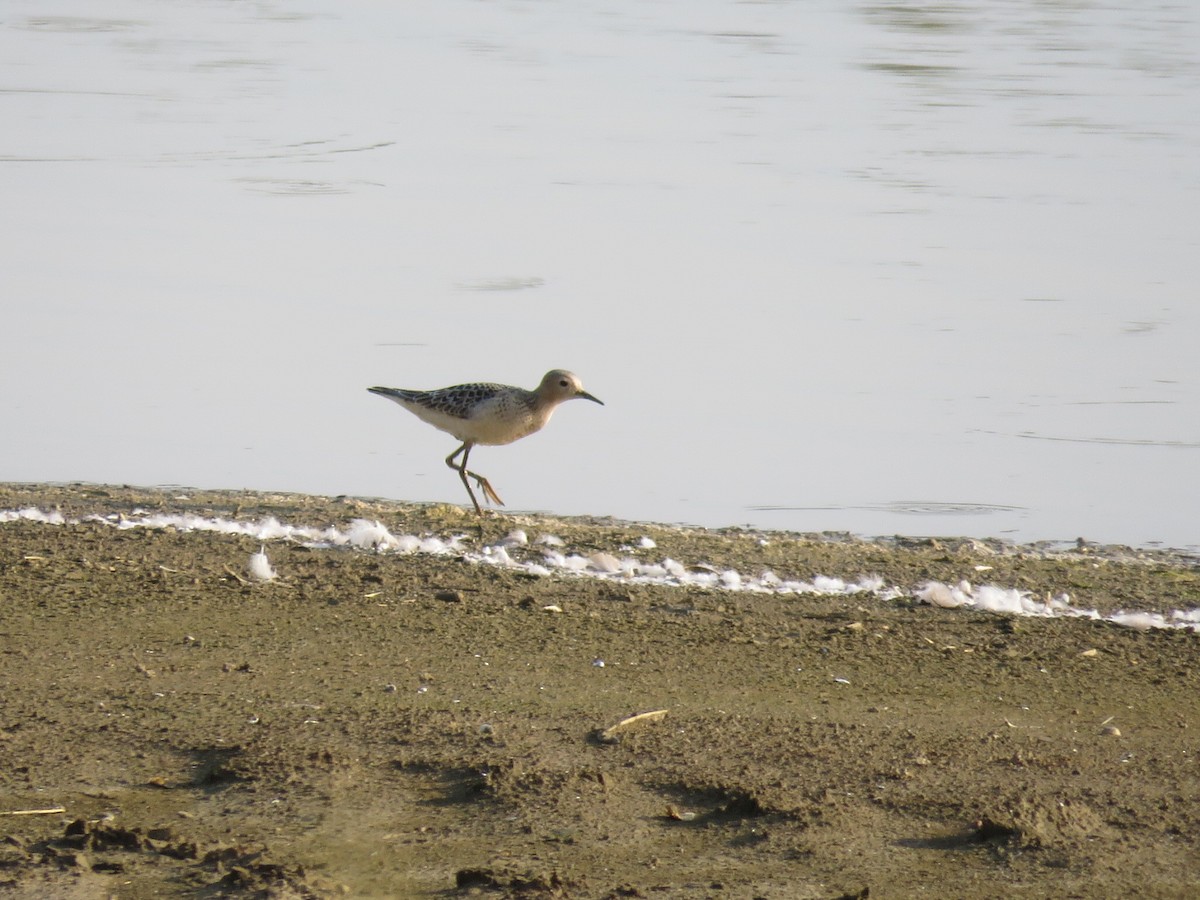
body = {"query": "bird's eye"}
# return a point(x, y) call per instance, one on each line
point(563, 383)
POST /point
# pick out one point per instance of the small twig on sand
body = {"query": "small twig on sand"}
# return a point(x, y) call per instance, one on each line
point(237, 576)
point(610, 735)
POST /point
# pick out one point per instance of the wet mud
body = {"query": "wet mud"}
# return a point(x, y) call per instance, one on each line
point(414, 725)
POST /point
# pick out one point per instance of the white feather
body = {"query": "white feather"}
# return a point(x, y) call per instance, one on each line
point(260, 566)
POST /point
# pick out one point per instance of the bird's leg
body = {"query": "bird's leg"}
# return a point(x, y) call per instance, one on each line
point(462, 473)
point(489, 493)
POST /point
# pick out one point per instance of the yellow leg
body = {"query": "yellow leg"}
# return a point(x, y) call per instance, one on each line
point(489, 494)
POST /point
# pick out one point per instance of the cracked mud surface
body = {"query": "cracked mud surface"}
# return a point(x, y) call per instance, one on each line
point(390, 725)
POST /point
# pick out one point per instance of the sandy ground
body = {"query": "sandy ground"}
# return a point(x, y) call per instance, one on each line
point(391, 725)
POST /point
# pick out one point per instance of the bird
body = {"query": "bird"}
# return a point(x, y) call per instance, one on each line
point(489, 414)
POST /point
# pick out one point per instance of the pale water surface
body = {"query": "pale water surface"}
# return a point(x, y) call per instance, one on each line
point(917, 268)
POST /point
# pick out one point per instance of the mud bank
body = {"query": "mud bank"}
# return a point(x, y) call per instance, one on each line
point(391, 724)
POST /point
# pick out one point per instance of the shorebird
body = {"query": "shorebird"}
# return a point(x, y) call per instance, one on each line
point(490, 414)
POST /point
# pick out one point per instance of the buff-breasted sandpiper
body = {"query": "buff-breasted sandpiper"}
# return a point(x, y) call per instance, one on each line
point(490, 414)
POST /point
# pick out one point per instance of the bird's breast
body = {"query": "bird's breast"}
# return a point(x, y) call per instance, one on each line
point(504, 422)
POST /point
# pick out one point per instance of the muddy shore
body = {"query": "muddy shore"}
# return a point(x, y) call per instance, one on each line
point(385, 724)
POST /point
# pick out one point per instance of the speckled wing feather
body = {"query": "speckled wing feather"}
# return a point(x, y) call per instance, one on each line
point(458, 401)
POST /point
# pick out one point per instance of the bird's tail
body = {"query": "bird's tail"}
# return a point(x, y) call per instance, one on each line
point(391, 393)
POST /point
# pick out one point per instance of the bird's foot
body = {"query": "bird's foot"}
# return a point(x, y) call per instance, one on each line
point(488, 492)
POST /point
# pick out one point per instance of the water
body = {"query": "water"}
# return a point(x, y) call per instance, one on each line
point(910, 268)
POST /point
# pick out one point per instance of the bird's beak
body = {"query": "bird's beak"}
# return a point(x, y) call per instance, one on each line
point(586, 396)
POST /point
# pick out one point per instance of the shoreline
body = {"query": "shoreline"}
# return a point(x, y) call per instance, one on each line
point(382, 722)
point(83, 493)
point(1041, 578)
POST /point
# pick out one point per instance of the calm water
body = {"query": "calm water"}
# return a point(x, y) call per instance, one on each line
point(928, 269)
